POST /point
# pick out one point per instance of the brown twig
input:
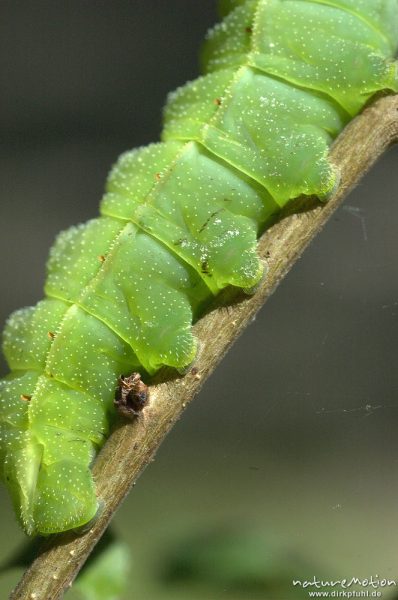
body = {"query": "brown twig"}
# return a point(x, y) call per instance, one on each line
point(133, 445)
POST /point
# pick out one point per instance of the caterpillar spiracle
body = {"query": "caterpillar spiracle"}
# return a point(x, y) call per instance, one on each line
point(179, 222)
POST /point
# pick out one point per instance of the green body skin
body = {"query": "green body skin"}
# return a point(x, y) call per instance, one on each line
point(179, 222)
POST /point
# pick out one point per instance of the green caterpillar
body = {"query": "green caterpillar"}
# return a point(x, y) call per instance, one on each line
point(179, 222)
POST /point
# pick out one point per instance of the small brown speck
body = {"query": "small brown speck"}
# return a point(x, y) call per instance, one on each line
point(51, 335)
point(248, 29)
point(136, 446)
point(195, 373)
point(26, 397)
point(204, 267)
point(101, 258)
point(157, 176)
point(217, 101)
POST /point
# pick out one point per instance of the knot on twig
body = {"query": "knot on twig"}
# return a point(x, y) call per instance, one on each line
point(131, 396)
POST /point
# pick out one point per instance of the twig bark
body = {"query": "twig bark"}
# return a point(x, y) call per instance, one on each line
point(132, 446)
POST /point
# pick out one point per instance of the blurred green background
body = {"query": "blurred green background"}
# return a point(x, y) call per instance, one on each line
point(286, 465)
